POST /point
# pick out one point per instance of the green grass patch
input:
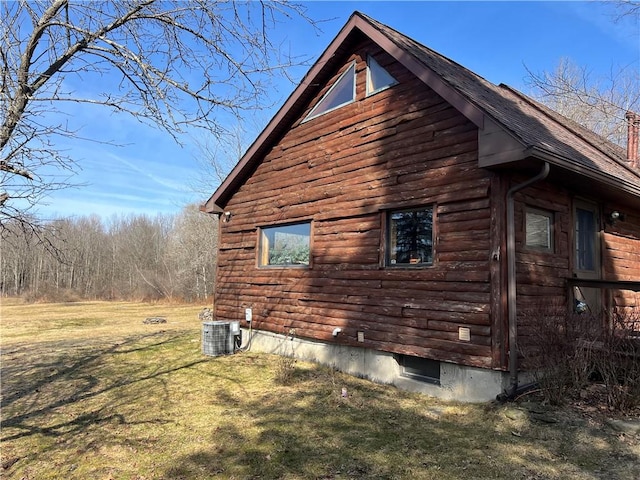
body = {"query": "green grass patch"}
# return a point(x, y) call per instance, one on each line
point(88, 391)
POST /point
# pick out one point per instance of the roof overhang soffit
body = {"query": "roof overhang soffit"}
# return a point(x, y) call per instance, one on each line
point(497, 144)
point(604, 181)
point(498, 148)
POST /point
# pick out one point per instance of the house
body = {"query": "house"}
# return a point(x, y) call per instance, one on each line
point(400, 215)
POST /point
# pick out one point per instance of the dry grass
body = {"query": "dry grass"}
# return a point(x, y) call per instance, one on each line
point(89, 392)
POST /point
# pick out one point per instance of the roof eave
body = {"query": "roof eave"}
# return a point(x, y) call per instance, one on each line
point(604, 178)
point(461, 103)
point(499, 145)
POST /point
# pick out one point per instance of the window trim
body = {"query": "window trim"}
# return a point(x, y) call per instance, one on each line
point(311, 115)
point(595, 210)
point(260, 243)
point(370, 93)
point(386, 237)
point(550, 215)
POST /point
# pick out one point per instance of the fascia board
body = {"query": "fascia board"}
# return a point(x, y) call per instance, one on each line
point(593, 173)
point(423, 72)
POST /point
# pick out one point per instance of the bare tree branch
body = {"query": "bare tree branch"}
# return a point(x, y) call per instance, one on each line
point(175, 64)
point(625, 9)
point(598, 103)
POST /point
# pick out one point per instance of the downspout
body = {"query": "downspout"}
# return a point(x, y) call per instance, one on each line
point(511, 277)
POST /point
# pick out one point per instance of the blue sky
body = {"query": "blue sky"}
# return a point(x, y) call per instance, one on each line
point(150, 174)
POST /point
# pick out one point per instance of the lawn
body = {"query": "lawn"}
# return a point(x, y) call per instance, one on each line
point(90, 392)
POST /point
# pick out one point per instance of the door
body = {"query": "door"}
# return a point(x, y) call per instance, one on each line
point(586, 258)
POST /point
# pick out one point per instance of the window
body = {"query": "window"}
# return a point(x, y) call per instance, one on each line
point(285, 245)
point(423, 369)
point(410, 237)
point(341, 93)
point(377, 77)
point(586, 230)
point(539, 229)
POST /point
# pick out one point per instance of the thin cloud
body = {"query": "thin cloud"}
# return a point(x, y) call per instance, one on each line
point(165, 182)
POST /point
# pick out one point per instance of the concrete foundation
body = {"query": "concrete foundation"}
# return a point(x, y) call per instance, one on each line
point(457, 382)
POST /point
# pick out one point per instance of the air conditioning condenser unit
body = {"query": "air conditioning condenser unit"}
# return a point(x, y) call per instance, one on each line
point(220, 337)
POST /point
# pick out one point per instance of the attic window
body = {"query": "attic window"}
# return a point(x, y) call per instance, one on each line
point(377, 77)
point(341, 93)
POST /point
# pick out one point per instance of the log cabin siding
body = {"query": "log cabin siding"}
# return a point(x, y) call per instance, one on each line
point(541, 286)
point(400, 148)
point(621, 242)
point(408, 147)
point(621, 258)
point(541, 277)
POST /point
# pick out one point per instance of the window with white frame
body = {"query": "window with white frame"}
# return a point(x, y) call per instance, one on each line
point(341, 93)
point(539, 229)
point(285, 245)
point(378, 78)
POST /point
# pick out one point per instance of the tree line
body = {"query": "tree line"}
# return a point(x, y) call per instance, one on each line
point(134, 257)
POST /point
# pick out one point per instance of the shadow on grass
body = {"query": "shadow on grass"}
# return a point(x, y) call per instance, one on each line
point(311, 431)
point(60, 375)
point(166, 411)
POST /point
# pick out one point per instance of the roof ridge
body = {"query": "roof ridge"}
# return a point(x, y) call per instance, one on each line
point(573, 127)
point(376, 23)
point(473, 95)
point(606, 147)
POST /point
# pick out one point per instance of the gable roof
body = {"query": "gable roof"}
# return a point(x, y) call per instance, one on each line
point(534, 129)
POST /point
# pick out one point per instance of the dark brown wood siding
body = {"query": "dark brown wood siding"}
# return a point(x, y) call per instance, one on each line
point(402, 147)
point(621, 258)
point(542, 276)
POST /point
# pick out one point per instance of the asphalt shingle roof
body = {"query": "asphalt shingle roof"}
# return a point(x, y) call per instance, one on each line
point(534, 124)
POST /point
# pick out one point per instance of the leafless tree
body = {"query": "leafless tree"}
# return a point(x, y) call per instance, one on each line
point(128, 257)
point(625, 9)
point(598, 103)
point(175, 64)
point(191, 253)
point(216, 157)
